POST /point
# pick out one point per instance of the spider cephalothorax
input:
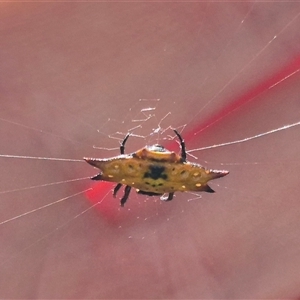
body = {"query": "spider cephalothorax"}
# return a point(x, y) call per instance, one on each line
point(154, 171)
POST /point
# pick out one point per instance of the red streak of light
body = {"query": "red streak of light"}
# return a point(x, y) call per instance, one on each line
point(248, 96)
point(109, 208)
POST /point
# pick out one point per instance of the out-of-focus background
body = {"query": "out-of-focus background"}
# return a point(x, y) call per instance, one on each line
point(72, 76)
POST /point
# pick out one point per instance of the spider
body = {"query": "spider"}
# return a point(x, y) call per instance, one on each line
point(154, 171)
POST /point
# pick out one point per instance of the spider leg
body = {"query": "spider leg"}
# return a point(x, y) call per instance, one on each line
point(169, 198)
point(126, 194)
point(122, 146)
point(116, 189)
point(182, 144)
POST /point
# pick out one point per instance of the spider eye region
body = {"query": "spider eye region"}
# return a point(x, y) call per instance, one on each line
point(157, 148)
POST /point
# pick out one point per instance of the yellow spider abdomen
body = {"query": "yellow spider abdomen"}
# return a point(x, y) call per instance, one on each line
point(154, 171)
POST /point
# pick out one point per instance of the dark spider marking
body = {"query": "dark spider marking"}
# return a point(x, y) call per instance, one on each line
point(155, 172)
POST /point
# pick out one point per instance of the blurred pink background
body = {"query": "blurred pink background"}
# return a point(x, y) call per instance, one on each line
point(70, 69)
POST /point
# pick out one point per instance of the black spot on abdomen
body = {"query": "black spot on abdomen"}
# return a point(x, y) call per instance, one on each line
point(155, 172)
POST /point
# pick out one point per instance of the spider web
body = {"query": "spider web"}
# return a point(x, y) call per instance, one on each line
point(225, 75)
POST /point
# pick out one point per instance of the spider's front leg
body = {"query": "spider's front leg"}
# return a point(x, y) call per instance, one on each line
point(182, 144)
point(122, 146)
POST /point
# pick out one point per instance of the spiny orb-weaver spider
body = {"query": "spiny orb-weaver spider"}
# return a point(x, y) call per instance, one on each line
point(154, 171)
